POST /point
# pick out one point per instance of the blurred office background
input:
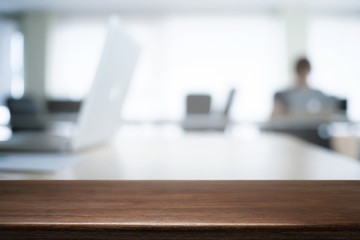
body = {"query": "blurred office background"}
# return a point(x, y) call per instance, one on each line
point(50, 51)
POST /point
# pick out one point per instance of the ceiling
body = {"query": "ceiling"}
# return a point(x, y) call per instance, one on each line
point(175, 5)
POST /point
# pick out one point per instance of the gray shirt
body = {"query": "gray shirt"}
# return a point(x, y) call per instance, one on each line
point(298, 101)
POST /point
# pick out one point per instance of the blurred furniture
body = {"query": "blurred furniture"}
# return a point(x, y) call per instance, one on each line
point(342, 106)
point(229, 102)
point(313, 128)
point(348, 145)
point(180, 210)
point(24, 115)
point(63, 110)
point(345, 138)
point(200, 118)
point(206, 156)
point(315, 133)
point(63, 106)
point(198, 104)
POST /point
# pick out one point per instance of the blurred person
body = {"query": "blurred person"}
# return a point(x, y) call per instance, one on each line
point(301, 100)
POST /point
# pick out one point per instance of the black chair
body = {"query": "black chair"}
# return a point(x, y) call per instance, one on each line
point(63, 106)
point(24, 115)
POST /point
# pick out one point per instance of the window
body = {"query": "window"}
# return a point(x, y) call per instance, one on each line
point(11, 60)
point(11, 69)
point(17, 64)
point(75, 47)
point(335, 52)
point(180, 55)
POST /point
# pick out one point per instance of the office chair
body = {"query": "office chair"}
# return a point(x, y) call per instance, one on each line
point(24, 115)
point(198, 115)
point(198, 104)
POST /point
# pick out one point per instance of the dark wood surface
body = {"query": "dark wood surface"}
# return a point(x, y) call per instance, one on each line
point(180, 209)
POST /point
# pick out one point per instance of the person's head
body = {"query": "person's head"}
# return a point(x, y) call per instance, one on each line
point(302, 68)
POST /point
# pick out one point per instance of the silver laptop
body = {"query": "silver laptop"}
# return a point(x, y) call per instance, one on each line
point(100, 111)
point(201, 119)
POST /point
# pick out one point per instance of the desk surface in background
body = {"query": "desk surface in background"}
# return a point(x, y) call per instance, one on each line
point(180, 210)
point(204, 156)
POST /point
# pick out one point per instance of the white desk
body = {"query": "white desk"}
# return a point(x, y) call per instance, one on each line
point(206, 156)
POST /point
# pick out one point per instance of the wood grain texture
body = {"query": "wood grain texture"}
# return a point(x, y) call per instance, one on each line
point(180, 209)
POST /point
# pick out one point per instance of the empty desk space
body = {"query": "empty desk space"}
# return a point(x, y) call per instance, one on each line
point(195, 157)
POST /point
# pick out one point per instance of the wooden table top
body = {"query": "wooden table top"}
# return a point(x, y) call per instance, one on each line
point(180, 209)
